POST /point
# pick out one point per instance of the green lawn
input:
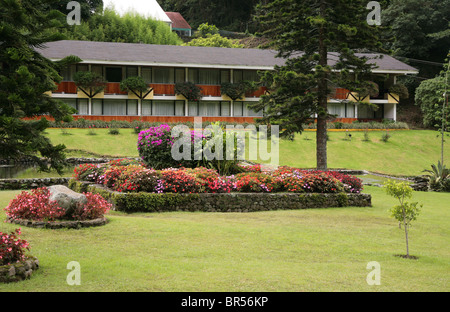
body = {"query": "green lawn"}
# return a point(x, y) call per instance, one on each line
point(302, 250)
point(406, 153)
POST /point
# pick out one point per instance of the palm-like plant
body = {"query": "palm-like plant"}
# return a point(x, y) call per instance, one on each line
point(437, 175)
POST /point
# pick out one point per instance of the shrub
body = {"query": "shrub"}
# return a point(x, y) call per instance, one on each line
point(112, 174)
point(139, 179)
point(95, 208)
point(385, 137)
point(90, 173)
point(155, 146)
point(35, 205)
point(113, 131)
point(322, 183)
point(254, 182)
point(178, 181)
point(12, 248)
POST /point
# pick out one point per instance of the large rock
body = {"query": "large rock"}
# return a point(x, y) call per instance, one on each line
point(66, 198)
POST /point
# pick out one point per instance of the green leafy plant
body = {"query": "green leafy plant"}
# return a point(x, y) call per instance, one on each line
point(137, 86)
point(189, 90)
point(438, 176)
point(386, 136)
point(113, 131)
point(89, 83)
point(400, 89)
point(236, 90)
point(405, 212)
point(366, 136)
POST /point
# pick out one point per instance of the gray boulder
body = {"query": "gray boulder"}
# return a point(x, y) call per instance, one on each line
point(66, 198)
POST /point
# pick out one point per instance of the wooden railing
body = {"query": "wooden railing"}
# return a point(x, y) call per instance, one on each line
point(114, 88)
point(340, 94)
point(160, 89)
point(66, 87)
point(209, 90)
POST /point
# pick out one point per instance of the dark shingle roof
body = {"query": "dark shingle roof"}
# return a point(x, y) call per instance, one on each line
point(170, 55)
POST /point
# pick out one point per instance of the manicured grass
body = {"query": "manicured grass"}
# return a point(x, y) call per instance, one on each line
point(406, 153)
point(102, 143)
point(302, 250)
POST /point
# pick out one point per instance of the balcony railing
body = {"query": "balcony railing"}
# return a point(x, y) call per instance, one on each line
point(66, 87)
point(114, 88)
point(163, 89)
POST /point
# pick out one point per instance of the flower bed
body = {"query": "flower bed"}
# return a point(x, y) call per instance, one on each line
point(135, 188)
point(36, 209)
point(14, 264)
point(134, 177)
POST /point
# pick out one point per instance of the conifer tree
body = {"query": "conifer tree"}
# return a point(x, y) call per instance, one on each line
point(309, 34)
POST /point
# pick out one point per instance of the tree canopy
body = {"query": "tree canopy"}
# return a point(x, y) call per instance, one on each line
point(25, 77)
point(109, 26)
point(304, 33)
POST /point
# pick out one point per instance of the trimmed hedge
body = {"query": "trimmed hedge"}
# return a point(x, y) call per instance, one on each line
point(220, 202)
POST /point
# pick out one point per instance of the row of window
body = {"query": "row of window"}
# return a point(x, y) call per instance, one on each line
point(169, 75)
point(348, 110)
point(107, 107)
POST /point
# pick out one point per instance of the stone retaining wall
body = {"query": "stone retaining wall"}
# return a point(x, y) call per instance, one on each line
point(18, 271)
point(221, 202)
point(28, 184)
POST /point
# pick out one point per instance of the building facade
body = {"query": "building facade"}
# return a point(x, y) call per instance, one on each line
point(162, 67)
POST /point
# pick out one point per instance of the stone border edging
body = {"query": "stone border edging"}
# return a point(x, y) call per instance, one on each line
point(59, 224)
point(18, 271)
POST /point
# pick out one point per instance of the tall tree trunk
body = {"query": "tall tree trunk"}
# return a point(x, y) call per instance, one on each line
point(321, 139)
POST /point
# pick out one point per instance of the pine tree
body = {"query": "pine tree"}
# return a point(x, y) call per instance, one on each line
point(25, 77)
point(308, 33)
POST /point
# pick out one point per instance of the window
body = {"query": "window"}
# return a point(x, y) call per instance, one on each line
point(245, 75)
point(114, 107)
point(146, 73)
point(83, 106)
point(97, 107)
point(146, 108)
point(238, 109)
point(337, 109)
point(132, 107)
point(209, 76)
point(225, 109)
point(193, 108)
point(113, 74)
point(132, 71)
point(97, 69)
point(225, 76)
point(180, 75)
point(163, 75)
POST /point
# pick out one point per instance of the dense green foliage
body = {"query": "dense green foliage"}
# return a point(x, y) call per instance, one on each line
point(132, 28)
point(236, 90)
point(304, 33)
point(89, 82)
point(88, 7)
point(231, 15)
point(25, 76)
point(214, 41)
point(136, 85)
